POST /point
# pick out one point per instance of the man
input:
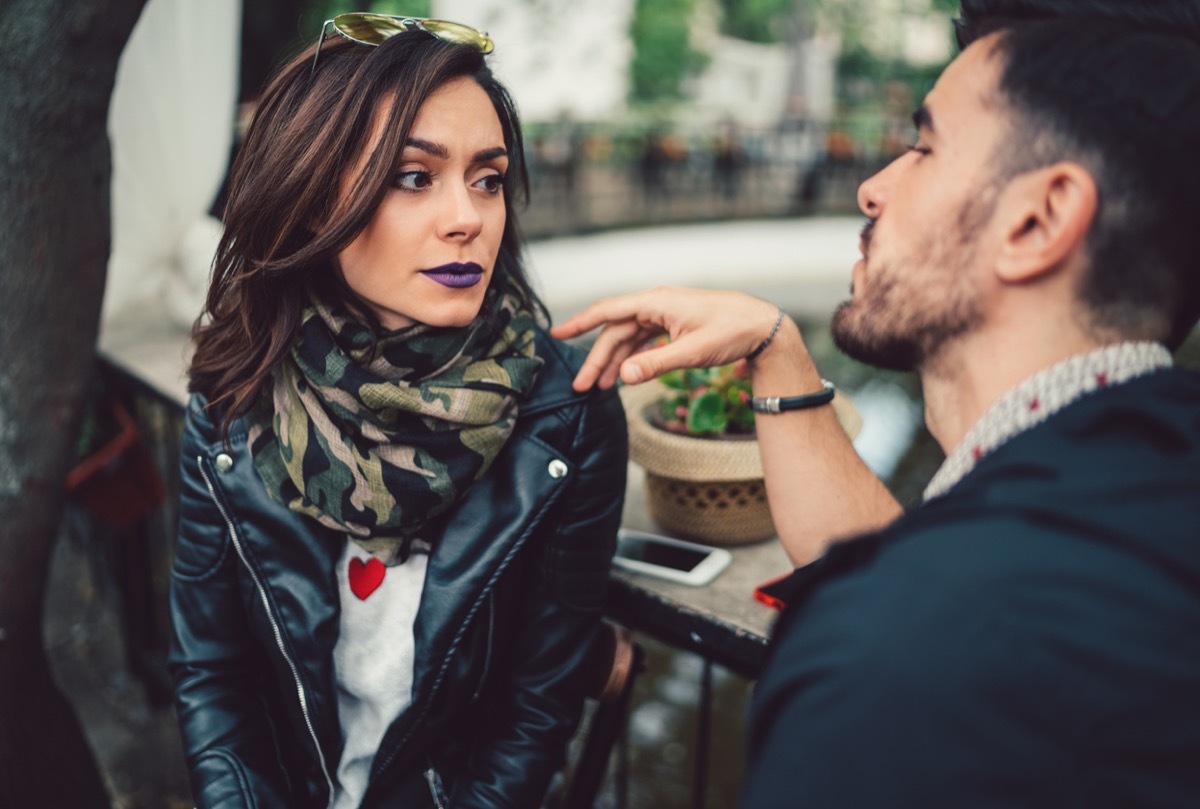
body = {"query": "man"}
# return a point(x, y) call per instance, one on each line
point(1030, 634)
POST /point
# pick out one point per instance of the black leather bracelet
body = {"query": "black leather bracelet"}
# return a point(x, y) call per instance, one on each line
point(778, 404)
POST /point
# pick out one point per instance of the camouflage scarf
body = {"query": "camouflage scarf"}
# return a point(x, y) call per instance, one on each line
point(377, 438)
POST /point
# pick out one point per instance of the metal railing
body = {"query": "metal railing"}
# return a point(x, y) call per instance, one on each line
point(586, 178)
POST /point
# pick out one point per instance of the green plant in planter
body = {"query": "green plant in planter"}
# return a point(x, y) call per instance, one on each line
point(708, 402)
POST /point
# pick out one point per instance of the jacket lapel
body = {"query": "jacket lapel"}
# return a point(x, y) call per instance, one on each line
point(483, 534)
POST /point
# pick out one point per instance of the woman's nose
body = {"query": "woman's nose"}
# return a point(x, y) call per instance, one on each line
point(461, 217)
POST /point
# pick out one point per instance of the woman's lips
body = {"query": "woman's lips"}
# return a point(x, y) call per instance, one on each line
point(457, 276)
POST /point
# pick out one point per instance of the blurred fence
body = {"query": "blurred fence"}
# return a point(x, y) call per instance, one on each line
point(598, 176)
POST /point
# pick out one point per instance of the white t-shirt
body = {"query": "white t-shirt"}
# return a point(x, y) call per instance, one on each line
point(372, 660)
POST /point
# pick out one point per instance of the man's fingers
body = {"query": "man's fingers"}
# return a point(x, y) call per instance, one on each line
point(613, 370)
point(660, 359)
point(598, 314)
point(708, 328)
point(636, 306)
point(603, 352)
point(572, 327)
point(586, 377)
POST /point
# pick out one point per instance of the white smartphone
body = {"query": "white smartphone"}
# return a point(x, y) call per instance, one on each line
point(668, 558)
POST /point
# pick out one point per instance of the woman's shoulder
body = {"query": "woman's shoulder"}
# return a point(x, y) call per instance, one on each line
point(554, 389)
point(558, 355)
point(560, 362)
point(202, 423)
point(587, 427)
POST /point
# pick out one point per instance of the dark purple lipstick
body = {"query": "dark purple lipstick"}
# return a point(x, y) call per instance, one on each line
point(456, 275)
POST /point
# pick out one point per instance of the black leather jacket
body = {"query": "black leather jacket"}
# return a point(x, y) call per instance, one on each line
point(511, 604)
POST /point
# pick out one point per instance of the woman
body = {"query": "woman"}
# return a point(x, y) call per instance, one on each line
point(397, 515)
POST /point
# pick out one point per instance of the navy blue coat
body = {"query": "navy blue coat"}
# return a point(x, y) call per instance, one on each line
point(1030, 639)
point(511, 603)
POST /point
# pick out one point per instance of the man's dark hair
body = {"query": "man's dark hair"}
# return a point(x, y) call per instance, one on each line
point(1115, 86)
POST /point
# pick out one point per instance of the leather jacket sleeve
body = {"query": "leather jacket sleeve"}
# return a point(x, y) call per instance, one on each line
point(216, 666)
point(538, 700)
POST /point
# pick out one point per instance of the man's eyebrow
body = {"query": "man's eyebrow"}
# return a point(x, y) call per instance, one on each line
point(923, 119)
point(438, 150)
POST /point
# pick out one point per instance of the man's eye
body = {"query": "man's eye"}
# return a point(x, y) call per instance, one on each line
point(413, 180)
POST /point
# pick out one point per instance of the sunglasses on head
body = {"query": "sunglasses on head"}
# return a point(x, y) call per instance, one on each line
point(374, 29)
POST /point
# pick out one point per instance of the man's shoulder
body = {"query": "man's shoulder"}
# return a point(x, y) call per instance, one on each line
point(943, 545)
point(975, 650)
point(973, 575)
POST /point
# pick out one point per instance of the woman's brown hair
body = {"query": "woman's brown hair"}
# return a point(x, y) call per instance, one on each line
point(285, 181)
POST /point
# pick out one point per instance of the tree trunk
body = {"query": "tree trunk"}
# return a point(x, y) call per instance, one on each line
point(58, 60)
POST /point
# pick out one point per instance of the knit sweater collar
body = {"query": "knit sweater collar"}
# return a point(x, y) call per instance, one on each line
point(1041, 396)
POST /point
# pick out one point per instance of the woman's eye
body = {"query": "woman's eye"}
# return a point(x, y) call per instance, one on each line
point(920, 149)
point(492, 183)
point(413, 180)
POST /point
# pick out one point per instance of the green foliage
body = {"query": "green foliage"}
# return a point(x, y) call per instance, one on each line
point(708, 401)
point(755, 20)
point(409, 8)
point(863, 76)
point(662, 50)
point(324, 9)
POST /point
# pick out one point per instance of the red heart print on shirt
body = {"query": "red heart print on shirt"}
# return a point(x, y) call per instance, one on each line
point(365, 578)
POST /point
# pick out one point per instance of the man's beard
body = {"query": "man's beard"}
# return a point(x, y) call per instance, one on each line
point(899, 320)
point(882, 334)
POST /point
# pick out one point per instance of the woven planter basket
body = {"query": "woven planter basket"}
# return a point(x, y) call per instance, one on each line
point(705, 489)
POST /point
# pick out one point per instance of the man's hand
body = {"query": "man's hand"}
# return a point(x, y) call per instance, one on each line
point(818, 487)
point(706, 327)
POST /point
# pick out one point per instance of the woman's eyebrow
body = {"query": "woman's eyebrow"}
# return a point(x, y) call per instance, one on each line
point(440, 151)
point(490, 154)
point(435, 149)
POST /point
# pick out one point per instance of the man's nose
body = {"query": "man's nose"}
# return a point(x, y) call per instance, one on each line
point(876, 191)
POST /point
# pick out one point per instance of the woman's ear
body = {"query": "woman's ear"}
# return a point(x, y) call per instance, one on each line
point(1048, 213)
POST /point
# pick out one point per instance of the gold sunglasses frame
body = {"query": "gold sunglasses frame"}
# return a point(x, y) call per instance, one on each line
point(385, 26)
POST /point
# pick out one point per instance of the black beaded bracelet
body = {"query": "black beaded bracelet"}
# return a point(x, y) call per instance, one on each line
point(777, 404)
point(770, 337)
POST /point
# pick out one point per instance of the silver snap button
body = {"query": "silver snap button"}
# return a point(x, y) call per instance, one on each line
point(557, 469)
point(224, 463)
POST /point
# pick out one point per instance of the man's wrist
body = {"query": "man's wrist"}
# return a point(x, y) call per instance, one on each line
point(785, 340)
point(753, 355)
point(785, 367)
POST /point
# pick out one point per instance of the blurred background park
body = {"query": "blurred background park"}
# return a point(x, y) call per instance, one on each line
point(705, 142)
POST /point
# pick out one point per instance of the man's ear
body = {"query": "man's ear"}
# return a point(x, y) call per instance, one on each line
point(1047, 215)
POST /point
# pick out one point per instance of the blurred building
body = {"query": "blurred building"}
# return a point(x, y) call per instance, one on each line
point(559, 58)
point(911, 31)
point(568, 60)
point(759, 85)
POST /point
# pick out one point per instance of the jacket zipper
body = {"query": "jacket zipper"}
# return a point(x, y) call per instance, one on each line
point(487, 657)
point(233, 535)
point(437, 683)
point(436, 790)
